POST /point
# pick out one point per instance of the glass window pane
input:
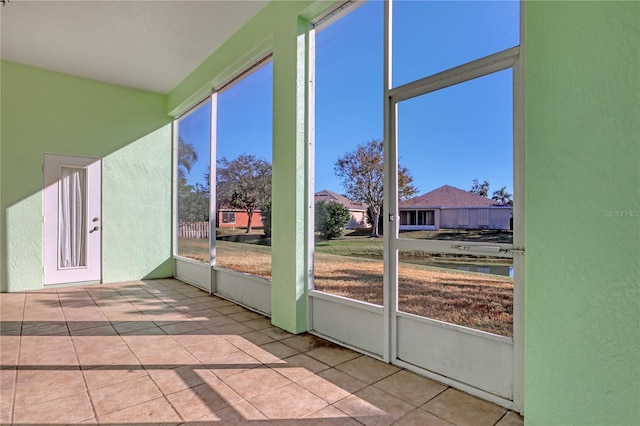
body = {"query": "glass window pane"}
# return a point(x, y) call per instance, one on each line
point(243, 174)
point(457, 145)
point(349, 65)
point(433, 36)
point(471, 291)
point(194, 158)
point(72, 218)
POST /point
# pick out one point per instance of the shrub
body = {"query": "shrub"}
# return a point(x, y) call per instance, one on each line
point(331, 219)
point(265, 217)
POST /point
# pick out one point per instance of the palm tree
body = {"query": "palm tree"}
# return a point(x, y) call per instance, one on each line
point(481, 189)
point(188, 195)
point(502, 196)
point(187, 156)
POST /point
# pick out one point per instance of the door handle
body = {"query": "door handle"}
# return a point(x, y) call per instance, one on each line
point(95, 228)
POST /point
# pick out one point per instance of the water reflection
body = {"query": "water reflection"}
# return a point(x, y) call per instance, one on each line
point(504, 270)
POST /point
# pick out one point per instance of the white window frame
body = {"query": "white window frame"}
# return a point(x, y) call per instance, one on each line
point(176, 136)
point(255, 66)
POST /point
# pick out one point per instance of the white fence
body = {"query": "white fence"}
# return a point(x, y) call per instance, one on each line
point(193, 230)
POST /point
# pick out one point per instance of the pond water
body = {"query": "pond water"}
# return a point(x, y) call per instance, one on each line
point(505, 270)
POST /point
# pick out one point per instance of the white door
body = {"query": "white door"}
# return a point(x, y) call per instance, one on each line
point(72, 219)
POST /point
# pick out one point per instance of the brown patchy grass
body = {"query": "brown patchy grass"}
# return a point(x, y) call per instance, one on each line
point(480, 301)
point(352, 277)
point(249, 258)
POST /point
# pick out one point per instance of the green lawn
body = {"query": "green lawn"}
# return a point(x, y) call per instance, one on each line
point(359, 244)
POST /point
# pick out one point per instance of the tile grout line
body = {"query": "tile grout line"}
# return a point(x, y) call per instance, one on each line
point(263, 365)
point(295, 382)
point(15, 379)
point(501, 417)
point(75, 352)
point(242, 398)
point(139, 363)
point(164, 396)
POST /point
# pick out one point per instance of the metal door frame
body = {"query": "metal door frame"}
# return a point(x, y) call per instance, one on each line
point(508, 59)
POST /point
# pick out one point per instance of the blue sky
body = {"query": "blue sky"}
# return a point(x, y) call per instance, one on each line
point(450, 137)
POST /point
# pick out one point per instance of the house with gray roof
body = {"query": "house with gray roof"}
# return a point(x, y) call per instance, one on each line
point(448, 207)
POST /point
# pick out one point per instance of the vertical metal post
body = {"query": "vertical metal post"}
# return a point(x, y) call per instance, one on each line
point(213, 209)
point(390, 191)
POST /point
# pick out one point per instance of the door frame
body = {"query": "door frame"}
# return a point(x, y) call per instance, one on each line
point(512, 58)
point(94, 209)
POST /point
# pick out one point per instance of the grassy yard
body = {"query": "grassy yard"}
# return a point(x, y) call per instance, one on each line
point(477, 235)
point(359, 244)
point(352, 267)
point(251, 258)
point(480, 301)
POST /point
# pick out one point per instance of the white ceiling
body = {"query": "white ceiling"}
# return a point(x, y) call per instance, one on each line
point(149, 45)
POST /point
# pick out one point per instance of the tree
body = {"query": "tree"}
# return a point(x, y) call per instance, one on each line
point(370, 219)
point(193, 200)
point(331, 219)
point(187, 156)
point(503, 197)
point(265, 217)
point(244, 183)
point(193, 203)
point(480, 188)
point(361, 172)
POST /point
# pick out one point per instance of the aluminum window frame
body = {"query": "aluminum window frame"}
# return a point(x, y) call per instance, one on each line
point(239, 76)
point(511, 58)
point(175, 144)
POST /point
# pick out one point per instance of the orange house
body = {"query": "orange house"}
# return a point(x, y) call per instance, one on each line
point(230, 218)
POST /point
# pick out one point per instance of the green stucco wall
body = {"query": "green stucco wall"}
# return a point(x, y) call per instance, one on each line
point(582, 320)
point(278, 28)
point(44, 111)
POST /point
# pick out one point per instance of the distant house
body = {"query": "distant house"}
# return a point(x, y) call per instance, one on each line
point(228, 217)
point(358, 211)
point(451, 208)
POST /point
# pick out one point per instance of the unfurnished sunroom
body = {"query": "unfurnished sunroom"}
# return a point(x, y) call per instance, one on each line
point(159, 104)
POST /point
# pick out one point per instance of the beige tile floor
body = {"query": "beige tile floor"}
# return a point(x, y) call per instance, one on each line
point(164, 352)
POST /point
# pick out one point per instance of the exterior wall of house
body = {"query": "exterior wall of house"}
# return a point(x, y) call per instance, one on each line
point(358, 220)
point(582, 302)
point(498, 219)
point(449, 218)
point(44, 111)
point(241, 220)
